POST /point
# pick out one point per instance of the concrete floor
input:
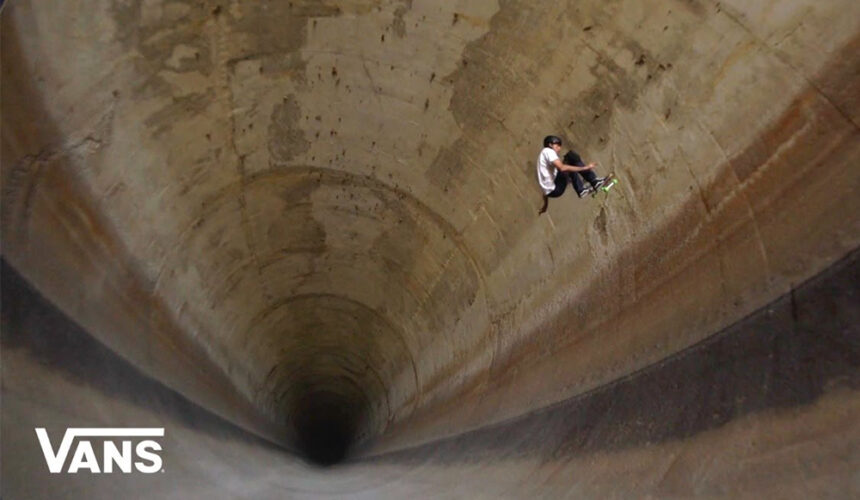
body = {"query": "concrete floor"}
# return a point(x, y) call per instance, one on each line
point(297, 232)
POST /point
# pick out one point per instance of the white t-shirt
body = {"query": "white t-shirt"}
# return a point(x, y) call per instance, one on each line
point(546, 171)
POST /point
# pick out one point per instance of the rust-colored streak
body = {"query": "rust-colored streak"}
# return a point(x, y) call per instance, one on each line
point(69, 248)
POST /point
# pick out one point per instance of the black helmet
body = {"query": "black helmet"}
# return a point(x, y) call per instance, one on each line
point(551, 139)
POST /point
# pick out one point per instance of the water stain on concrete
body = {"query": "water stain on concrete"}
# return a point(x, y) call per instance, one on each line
point(286, 139)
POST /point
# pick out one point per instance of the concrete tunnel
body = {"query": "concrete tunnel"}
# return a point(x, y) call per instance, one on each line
point(302, 238)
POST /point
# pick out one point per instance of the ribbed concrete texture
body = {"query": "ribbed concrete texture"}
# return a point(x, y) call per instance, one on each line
point(302, 237)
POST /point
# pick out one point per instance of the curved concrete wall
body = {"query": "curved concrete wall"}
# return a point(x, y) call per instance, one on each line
point(318, 219)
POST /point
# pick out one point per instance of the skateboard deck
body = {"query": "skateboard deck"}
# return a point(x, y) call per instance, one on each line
point(611, 181)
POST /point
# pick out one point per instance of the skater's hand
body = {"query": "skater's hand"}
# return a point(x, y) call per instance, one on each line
point(591, 165)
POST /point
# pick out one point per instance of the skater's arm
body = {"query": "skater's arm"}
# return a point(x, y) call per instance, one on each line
point(570, 168)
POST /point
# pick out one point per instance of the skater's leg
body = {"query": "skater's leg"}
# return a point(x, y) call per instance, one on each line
point(560, 185)
point(577, 181)
point(590, 176)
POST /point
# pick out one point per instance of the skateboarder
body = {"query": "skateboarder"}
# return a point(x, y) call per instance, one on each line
point(572, 158)
point(553, 174)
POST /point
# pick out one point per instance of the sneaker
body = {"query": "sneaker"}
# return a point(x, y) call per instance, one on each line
point(586, 191)
point(599, 182)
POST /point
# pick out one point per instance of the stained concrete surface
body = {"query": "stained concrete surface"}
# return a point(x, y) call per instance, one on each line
point(292, 230)
point(765, 408)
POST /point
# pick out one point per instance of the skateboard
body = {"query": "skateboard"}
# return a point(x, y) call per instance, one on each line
point(611, 180)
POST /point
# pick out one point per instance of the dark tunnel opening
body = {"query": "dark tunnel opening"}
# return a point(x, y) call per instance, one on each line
point(327, 426)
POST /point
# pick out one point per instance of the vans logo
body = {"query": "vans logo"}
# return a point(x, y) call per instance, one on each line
point(117, 454)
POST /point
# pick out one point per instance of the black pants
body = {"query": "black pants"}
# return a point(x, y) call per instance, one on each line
point(563, 178)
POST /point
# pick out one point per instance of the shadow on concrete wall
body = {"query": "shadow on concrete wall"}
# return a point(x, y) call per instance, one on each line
point(785, 355)
point(32, 324)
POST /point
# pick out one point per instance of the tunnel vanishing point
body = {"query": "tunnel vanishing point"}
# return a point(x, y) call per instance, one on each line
point(302, 238)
